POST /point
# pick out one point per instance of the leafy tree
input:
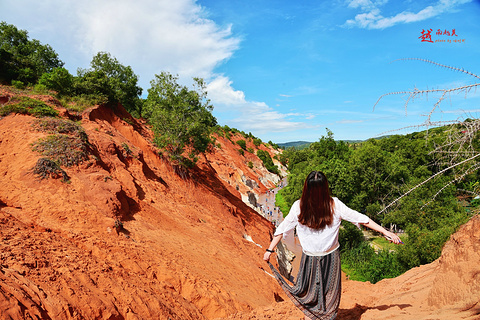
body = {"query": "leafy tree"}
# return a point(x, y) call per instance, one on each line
point(181, 118)
point(368, 167)
point(22, 59)
point(59, 80)
point(242, 143)
point(109, 78)
point(93, 83)
point(349, 236)
point(458, 151)
point(267, 161)
point(371, 175)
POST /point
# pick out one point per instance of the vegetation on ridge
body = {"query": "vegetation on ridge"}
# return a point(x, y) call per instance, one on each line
point(181, 118)
point(371, 176)
point(423, 185)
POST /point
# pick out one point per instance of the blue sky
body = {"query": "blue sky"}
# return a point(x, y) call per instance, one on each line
point(282, 70)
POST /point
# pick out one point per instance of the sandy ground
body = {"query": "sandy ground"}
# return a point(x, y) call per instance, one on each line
point(188, 248)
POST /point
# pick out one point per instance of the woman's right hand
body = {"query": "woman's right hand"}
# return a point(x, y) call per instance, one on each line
point(266, 256)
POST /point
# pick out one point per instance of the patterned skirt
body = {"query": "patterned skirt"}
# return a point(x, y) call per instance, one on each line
point(317, 289)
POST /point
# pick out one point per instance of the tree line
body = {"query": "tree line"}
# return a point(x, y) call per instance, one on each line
point(370, 175)
point(181, 117)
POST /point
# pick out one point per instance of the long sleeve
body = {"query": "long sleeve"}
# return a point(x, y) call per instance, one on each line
point(349, 214)
point(316, 241)
point(290, 221)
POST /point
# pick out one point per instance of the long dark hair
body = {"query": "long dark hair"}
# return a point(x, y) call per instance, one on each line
point(316, 204)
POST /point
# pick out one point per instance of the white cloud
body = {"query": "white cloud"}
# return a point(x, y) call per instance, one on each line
point(221, 91)
point(371, 18)
point(248, 115)
point(173, 36)
point(346, 121)
point(149, 35)
point(366, 4)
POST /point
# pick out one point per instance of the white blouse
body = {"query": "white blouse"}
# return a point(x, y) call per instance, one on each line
point(319, 242)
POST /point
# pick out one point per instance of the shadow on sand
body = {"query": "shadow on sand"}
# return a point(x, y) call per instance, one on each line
point(356, 312)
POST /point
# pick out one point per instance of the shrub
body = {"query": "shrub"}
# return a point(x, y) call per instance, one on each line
point(40, 89)
point(46, 168)
point(257, 142)
point(59, 80)
point(55, 125)
point(267, 161)
point(242, 144)
point(12, 108)
point(63, 149)
point(43, 110)
point(18, 84)
point(26, 105)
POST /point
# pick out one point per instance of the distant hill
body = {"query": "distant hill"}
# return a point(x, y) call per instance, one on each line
point(296, 144)
point(299, 145)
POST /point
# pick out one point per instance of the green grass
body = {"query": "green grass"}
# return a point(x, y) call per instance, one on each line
point(82, 102)
point(282, 204)
point(26, 105)
point(352, 272)
point(384, 244)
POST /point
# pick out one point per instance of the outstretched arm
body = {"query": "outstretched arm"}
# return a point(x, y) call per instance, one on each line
point(272, 246)
point(389, 235)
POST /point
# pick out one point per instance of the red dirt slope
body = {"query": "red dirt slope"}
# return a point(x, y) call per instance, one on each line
point(182, 253)
point(446, 289)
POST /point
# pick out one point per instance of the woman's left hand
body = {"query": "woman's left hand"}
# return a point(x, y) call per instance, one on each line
point(392, 237)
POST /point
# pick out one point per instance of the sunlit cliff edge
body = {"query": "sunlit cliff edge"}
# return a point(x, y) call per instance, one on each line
point(182, 251)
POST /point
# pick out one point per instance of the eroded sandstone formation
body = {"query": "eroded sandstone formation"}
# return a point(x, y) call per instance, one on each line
point(128, 238)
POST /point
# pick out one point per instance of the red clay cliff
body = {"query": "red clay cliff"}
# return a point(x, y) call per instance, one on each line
point(180, 250)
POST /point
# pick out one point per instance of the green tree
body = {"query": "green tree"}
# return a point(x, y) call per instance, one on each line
point(109, 78)
point(59, 80)
point(22, 59)
point(181, 118)
point(242, 143)
point(371, 175)
point(267, 161)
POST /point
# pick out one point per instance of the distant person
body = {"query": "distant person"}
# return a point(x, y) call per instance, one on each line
point(316, 218)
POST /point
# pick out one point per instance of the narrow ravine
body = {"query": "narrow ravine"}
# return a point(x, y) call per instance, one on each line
point(273, 214)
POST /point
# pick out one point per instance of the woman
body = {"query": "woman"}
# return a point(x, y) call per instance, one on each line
point(316, 217)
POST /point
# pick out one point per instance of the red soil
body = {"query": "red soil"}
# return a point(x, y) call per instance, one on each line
point(182, 253)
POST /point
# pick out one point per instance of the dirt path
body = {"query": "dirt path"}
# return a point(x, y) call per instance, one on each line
point(273, 214)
